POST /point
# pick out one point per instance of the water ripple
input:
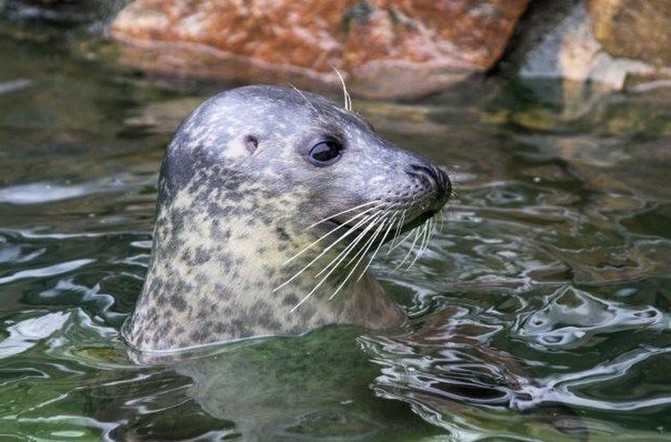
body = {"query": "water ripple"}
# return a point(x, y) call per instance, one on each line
point(571, 317)
point(597, 387)
point(27, 333)
point(52, 270)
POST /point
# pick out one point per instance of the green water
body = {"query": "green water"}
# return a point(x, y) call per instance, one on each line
point(543, 302)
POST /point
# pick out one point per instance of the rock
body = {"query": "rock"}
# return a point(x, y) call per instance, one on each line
point(571, 52)
point(570, 68)
point(636, 29)
point(384, 48)
point(427, 44)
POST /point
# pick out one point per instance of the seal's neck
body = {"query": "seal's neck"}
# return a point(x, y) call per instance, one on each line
point(221, 276)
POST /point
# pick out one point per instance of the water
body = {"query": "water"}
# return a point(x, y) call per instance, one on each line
point(540, 311)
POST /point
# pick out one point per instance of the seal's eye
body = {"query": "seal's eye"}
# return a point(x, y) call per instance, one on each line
point(325, 153)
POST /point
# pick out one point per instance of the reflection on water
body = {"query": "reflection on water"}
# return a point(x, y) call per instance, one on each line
point(540, 312)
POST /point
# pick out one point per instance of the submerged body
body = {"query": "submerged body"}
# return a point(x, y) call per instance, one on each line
point(271, 203)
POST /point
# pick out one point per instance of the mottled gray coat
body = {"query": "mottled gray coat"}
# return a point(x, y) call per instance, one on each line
point(239, 197)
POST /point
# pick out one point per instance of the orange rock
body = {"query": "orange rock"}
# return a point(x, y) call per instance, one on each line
point(636, 29)
point(385, 48)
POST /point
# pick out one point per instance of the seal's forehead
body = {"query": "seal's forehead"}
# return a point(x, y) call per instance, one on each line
point(277, 105)
point(227, 125)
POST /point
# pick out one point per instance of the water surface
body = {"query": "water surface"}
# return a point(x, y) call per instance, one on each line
point(540, 311)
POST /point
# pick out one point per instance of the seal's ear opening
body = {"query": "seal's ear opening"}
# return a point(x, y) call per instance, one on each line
point(251, 143)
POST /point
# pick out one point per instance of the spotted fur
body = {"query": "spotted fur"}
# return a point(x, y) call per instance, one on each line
point(239, 212)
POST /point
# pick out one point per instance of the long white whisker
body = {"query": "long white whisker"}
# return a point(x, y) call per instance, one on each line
point(361, 254)
point(405, 238)
point(306, 297)
point(390, 223)
point(371, 220)
point(348, 99)
point(340, 257)
point(414, 241)
point(426, 235)
point(343, 212)
point(397, 234)
point(379, 223)
point(336, 228)
point(371, 224)
point(333, 244)
point(308, 102)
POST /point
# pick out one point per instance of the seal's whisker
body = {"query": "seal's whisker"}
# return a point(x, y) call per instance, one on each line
point(426, 236)
point(428, 231)
point(361, 254)
point(333, 244)
point(441, 221)
point(309, 103)
point(431, 229)
point(330, 217)
point(405, 239)
point(342, 256)
point(412, 247)
point(369, 223)
point(306, 297)
point(336, 228)
point(347, 97)
point(390, 224)
point(362, 234)
point(397, 234)
point(379, 223)
point(336, 265)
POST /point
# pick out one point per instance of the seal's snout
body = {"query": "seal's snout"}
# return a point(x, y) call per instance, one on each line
point(432, 177)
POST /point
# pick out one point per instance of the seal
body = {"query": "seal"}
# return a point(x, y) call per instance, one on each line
point(272, 203)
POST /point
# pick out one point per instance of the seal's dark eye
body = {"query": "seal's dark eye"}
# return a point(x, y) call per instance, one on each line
point(325, 153)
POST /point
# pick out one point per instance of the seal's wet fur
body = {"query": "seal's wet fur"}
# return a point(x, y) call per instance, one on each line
point(239, 198)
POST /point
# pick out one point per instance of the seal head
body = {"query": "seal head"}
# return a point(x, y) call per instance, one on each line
point(271, 203)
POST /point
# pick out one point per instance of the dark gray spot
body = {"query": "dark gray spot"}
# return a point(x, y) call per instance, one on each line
point(290, 300)
point(282, 234)
point(178, 302)
point(202, 255)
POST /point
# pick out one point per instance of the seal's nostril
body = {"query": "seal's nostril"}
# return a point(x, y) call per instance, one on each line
point(444, 180)
point(433, 174)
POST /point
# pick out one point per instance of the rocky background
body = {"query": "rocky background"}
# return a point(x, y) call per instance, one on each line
point(384, 49)
point(401, 48)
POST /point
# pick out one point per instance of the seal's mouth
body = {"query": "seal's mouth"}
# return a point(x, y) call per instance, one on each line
point(421, 219)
